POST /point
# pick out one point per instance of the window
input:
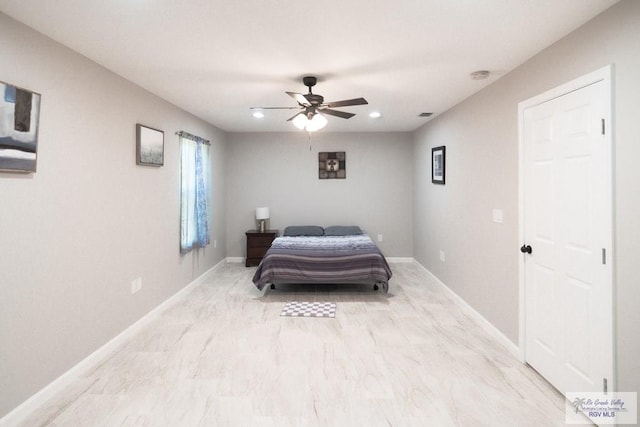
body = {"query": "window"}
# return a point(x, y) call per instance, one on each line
point(195, 184)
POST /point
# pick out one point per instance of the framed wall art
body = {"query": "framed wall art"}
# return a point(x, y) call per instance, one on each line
point(332, 165)
point(438, 163)
point(149, 146)
point(19, 116)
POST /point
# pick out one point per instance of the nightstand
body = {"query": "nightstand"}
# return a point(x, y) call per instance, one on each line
point(257, 245)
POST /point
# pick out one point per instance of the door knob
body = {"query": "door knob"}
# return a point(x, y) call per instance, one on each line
point(526, 249)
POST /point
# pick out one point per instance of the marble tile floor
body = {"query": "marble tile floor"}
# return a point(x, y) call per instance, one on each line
point(223, 356)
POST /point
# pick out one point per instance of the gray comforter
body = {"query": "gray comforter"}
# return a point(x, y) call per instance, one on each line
point(324, 259)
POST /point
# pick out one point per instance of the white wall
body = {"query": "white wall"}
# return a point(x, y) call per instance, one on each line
point(280, 170)
point(74, 234)
point(481, 136)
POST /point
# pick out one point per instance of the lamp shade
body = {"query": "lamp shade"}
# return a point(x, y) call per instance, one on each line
point(262, 213)
point(300, 121)
point(317, 122)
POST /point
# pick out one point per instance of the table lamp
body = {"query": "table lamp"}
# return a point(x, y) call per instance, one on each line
point(262, 214)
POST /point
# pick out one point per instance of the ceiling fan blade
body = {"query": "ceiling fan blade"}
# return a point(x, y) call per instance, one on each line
point(294, 116)
point(341, 114)
point(347, 102)
point(274, 108)
point(300, 99)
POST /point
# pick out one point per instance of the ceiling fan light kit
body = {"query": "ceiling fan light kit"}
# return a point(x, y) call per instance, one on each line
point(314, 108)
point(316, 122)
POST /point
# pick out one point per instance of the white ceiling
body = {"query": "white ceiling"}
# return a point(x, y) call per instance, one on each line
point(216, 58)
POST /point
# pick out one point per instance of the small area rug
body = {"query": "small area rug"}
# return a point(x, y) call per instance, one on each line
point(309, 309)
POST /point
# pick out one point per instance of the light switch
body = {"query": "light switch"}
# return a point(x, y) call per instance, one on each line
point(498, 216)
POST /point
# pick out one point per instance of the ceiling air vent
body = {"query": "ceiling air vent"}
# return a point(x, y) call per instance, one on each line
point(425, 114)
point(480, 75)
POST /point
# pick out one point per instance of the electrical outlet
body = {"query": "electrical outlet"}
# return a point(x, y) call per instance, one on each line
point(379, 237)
point(136, 285)
point(442, 256)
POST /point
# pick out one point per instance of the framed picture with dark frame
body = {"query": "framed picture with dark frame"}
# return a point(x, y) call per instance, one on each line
point(438, 162)
point(332, 165)
point(149, 146)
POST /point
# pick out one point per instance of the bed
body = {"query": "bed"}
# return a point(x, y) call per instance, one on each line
point(313, 255)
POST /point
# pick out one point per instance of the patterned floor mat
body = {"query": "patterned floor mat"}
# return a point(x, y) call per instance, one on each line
point(309, 309)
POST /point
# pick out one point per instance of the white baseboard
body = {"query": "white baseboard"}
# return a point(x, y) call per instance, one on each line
point(400, 259)
point(481, 320)
point(235, 259)
point(21, 412)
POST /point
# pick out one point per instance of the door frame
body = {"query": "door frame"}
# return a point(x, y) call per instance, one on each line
point(603, 74)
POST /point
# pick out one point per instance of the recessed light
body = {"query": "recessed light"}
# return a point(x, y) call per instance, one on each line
point(258, 114)
point(375, 114)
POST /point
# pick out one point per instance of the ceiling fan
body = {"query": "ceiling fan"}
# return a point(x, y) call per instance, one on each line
point(312, 105)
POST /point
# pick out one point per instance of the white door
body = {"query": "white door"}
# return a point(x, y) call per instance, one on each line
point(567, 224)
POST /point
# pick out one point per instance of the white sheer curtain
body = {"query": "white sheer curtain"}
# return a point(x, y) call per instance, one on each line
point(195, 182)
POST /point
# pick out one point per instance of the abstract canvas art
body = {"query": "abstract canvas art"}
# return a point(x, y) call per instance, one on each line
point(332, 165)
point(19, 115)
